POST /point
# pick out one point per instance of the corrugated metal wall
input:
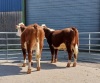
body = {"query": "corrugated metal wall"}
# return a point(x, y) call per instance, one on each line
point(84, 14)
point(10, 14)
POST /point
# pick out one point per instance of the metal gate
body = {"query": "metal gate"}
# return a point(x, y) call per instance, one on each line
point(10, 43)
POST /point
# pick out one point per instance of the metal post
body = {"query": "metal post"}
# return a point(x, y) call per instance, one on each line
point(7, 47)
point(89, 42)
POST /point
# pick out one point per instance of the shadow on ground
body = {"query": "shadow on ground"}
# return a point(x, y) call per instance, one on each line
point(6, 70)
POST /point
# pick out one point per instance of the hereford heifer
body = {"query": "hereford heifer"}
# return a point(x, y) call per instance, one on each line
point(32, 38)
point(67, 38)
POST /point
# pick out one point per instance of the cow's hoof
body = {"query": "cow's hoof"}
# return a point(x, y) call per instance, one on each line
point(55, 60)
point(74, 64)
point(24, 64)
point(52, 61)
point(29, 71)
point(68, 64)
point(38, 68)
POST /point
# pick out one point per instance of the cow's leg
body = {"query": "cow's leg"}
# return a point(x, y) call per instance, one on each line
point(69, 58)
point(24, 53)
point(29, 61)
point(56, 55)
point(38, 56)
point(75, 55)
point(38, 64)
point(39, 52)
point(52, 54)
point(69, 50)
point(29, 49)
point(32, 59)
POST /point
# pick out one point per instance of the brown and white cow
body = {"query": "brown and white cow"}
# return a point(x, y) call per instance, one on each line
point(66, 39)
point(32, 38)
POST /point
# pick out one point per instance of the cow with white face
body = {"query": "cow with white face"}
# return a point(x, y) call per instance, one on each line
point(32, 38)
point(20, 27)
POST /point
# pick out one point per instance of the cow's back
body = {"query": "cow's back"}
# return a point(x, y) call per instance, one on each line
point(28, 34)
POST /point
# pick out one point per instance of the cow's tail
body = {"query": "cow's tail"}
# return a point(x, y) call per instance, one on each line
point(76, 41)
point(38, 56)
point(37, 41)
point(76, 35)
point(37, 31)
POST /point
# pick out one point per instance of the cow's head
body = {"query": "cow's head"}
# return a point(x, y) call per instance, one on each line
point(47, 30)
point(45, 27)
point(20, 28)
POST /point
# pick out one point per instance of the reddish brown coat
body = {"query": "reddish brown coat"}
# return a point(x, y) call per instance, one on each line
point(32, 37)
point(67, 36)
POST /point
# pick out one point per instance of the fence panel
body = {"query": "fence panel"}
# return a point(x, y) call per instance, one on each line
point(10, 43)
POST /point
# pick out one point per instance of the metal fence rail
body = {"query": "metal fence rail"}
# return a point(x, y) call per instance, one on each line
point(10, 43)
point(90, 41)
point(5, 46)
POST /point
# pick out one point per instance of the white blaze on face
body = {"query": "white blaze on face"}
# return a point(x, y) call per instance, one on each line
point(19, 29)
point(19, 32)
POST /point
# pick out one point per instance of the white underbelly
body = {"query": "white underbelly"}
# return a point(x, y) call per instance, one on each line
point(61, 47)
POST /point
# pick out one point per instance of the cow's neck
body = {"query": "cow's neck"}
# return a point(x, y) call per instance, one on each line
point(47, 32)
point(22, 28)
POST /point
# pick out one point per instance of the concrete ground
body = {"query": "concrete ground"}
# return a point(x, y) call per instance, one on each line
point(86, 71)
